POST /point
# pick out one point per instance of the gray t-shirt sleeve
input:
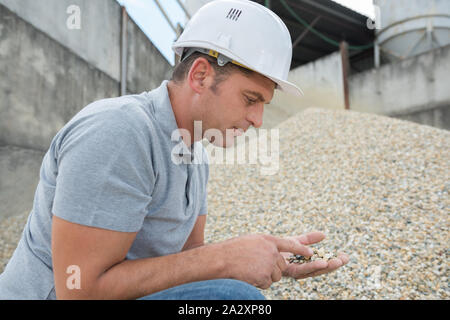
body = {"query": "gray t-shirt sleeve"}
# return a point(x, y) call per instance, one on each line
point(105, 175)
point(204, 208)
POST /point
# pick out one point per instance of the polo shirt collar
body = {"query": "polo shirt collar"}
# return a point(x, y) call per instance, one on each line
point(166, 119)
point(163, 109)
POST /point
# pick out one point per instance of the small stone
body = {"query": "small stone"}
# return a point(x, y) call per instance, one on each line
point(321, 252)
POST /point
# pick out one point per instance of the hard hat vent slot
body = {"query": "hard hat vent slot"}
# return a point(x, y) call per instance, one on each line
point(234, 14)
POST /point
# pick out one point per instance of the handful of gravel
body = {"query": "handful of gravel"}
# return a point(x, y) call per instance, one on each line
point(319, 254)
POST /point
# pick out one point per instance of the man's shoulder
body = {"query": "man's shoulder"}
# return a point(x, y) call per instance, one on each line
point(125, 117)
point(137, 104)
point(132, 110)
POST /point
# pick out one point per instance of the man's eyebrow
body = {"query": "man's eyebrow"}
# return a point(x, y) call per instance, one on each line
point(257, 94)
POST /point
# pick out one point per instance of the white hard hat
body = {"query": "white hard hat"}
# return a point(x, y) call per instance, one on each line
point(245, 33)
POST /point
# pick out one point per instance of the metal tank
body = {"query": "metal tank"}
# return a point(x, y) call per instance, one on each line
point(406, 28)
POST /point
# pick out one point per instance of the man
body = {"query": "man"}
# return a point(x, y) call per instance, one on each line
point(115, 216)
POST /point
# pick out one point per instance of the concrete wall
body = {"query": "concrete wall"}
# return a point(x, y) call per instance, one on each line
point(49, 73)
point(436, 117)
point(147, 67)
point(48, 83)
point(322, 84)
point(98, 39)
point(416, 89)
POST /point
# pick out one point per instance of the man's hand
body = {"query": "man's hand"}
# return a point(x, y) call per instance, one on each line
point(314, 268)
point(256, 259)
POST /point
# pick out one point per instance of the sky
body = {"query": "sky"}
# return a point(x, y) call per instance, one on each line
point(362, 6)
point(146, 14)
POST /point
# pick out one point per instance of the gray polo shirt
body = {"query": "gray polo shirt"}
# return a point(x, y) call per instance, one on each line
point(113, 166)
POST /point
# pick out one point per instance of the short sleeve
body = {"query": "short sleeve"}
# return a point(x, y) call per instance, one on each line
point(105, 175)
point(204, 207)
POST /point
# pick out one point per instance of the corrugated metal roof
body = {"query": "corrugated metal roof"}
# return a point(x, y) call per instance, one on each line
point(330, 19)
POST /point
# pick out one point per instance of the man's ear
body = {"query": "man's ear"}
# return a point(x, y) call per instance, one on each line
point(201, 75)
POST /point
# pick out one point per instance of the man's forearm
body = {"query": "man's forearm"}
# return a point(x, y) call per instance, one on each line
point(132, 279)
point(192, 246)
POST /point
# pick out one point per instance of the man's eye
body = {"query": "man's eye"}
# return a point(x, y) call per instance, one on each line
point(251, 101)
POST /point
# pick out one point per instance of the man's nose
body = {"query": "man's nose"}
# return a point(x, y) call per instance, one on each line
point(255, 115)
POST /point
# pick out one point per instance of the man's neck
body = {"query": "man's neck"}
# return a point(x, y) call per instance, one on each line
point(180, 105)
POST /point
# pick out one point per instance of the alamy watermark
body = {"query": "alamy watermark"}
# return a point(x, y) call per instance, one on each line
point(74, 280)
point(73, 21)
point(262, 149)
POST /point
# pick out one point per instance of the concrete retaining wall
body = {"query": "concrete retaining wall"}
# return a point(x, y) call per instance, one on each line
point(416, 89)
point(98, 39)
point(322, 84)
point(46, 84)
point(49, 73)
point(147, 67)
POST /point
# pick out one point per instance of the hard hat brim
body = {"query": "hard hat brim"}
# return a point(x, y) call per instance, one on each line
point(287, 87)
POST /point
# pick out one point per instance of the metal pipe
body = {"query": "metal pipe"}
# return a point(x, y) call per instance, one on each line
point(413, 18)
point(345, 72)
point(166, 16)
point(123, 54)
point(305, 32)
point(181, 4)
point(406, 32)
point(376, 53)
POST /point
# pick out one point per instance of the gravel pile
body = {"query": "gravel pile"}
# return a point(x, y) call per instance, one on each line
point(10, 231)
point(378, 188)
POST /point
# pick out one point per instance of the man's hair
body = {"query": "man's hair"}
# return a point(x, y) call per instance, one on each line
point(221, 73)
